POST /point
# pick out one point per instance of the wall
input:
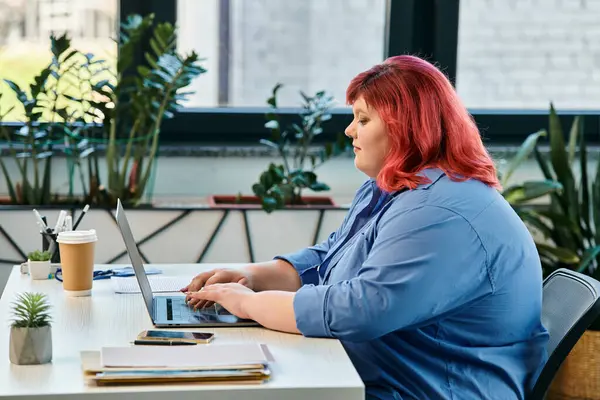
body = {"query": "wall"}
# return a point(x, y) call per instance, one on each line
point(527, 53)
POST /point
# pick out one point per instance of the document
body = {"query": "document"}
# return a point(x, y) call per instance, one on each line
point(158, 283)
point(199, 356)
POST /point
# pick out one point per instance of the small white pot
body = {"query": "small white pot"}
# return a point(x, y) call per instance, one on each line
point(39, 269)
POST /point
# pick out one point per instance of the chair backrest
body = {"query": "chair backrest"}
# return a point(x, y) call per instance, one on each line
point(571, 302)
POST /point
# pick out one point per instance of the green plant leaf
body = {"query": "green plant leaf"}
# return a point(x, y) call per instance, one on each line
point(584, 190)
point(560, 254)
point(522, 154)
point(536, 220)
point(31, 310)
point(588, 257)
point(258, 190)
point(269, 204)
point(319, 187)
point(574, 135)
point(530, 190)
point(561, 165)
point(11, 189)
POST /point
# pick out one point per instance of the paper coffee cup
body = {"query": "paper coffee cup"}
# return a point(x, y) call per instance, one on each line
point(77, 261)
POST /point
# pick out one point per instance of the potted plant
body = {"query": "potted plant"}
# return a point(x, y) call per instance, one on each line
point(30, 333)
point(282, 185)
point(78, 102)
point(569, 226)
point(38, 264)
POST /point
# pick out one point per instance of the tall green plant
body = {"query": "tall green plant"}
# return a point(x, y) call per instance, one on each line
point(282, 184)
point(31, 146)
point(570, 220)
point(142, 98)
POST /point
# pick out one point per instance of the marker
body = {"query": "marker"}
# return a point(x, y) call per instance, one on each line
point(85, 209)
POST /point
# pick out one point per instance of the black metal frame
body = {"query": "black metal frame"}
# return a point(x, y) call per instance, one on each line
point(428, 28)
point(566, 343)
point(184, 212)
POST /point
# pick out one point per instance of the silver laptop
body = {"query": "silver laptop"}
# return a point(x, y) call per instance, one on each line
point(172, 311)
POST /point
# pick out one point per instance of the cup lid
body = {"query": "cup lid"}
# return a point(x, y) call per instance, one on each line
point(77, 237)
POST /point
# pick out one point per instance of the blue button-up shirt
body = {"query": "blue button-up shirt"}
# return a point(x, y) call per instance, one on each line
point(435, 293)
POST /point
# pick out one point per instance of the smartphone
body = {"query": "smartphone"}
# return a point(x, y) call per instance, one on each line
point(196, 337)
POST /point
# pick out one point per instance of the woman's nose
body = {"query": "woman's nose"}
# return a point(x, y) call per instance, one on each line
point(350, 130)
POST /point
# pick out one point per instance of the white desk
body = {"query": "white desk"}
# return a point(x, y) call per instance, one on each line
point(304, 368)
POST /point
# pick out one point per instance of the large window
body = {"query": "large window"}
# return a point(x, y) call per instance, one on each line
point(25, 29)
point(307, 45)
point(523, 54)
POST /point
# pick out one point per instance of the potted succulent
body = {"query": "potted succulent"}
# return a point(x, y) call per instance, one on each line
point(282, 185)
point(38, 264)
point(30, 333)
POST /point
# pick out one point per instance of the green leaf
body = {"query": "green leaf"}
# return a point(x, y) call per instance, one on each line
point(573, 136)
point(534, 219)
point(584, 190)
point(258, 189)
point(319, 187)
point(269, 204)
point(589, 256)
point(530, 190)
point(31, 310)
point(561, 165)
point(560, 254)
point(11, 189)
point(522, 154)
point(269, 143)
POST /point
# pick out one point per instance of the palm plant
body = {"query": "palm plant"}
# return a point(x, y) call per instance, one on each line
point(570, 222)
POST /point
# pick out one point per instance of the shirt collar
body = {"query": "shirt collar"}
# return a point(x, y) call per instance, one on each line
point(432, 174)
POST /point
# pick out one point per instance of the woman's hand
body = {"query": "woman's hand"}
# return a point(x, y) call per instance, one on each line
point(211, 277)
point(231, 296)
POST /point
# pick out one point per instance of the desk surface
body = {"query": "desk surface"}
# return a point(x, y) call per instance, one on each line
point(304, 368)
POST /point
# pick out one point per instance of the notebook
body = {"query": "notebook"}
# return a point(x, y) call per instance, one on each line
point(158, 283)
point(200, 356)
point(235, 364)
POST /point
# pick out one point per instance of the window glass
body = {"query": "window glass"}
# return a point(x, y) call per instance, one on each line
point(308, 45)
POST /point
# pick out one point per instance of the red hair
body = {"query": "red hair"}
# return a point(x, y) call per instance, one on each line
point(427, 124)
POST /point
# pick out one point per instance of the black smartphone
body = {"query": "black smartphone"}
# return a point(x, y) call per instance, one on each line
point(196, 337)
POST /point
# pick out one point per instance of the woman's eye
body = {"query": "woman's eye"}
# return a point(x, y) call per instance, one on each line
point(362, 121)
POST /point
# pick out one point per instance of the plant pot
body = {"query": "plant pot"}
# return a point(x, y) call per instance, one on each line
point(29, 346)
point(578, 378)
point(231, 201)
point(39, 270)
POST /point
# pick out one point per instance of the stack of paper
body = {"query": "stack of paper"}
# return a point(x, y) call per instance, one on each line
point(238, 363)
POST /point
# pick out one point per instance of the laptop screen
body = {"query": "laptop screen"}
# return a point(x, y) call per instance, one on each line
point(135, 257)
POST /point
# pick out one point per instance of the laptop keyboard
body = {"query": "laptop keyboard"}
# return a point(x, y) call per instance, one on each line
point(177, 309)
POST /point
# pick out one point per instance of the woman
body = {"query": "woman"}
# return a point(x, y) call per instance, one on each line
point(432, 282)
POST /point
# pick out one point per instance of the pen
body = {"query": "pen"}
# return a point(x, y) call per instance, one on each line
point(85, 209)
point(162, 343)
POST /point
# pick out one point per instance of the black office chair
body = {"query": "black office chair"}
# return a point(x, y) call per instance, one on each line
point(571, 302)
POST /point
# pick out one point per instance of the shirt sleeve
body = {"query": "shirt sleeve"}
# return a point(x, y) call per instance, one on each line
point(309, 258)
point(306, 260)
point(424, 263)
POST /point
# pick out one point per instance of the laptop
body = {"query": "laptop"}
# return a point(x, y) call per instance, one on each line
point(172, 311)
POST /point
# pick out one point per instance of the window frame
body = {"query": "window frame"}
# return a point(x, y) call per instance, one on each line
point(428, 28)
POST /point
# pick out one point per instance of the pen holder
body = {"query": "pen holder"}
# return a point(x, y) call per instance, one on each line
point(48, 238)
